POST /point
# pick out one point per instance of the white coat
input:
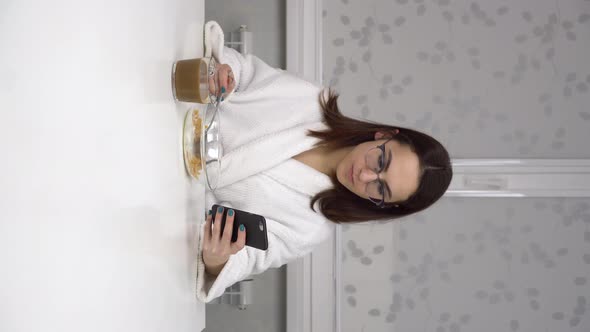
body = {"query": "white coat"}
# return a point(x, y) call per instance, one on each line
point(263, 124)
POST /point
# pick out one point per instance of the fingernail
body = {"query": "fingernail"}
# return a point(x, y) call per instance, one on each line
point(242, 228)
point(222, 90)
point(230, 212)
point(209, 212)
point(220, 209)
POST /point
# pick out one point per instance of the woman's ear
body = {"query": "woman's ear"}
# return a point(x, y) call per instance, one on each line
point(381, 135)
point(385, 135)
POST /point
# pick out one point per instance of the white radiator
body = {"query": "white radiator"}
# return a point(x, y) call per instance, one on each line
point(240, 40)
point(239, 294)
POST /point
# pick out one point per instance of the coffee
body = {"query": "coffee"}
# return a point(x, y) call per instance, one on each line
point(190, 80)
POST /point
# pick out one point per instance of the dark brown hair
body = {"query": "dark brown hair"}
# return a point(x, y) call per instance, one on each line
point(340, 205)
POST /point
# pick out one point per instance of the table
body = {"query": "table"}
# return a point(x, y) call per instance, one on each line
point(98, 218)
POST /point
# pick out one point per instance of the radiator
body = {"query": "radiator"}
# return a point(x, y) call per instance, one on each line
point(239, 294)
point(240, 40)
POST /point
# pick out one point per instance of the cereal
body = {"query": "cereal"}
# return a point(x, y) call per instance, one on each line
point(194, 162)
point(194, 166)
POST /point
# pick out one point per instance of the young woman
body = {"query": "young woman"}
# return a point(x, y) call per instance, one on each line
point(291, 156)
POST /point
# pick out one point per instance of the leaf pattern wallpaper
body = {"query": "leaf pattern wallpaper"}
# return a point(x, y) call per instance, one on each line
point(489, 79)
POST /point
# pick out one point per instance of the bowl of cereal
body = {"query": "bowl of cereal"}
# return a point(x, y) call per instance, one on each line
point(202, 150)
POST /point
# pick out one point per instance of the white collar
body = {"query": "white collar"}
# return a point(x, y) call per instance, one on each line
point(300, 177)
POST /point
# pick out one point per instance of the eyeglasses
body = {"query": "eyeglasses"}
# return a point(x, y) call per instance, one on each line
point(375, 160)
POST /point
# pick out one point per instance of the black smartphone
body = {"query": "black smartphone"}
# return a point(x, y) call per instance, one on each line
point(256, 236)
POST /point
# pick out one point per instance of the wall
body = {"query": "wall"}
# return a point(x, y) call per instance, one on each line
point(489, 79)
point(512, 75)
point(266, 20)
point(266, 313)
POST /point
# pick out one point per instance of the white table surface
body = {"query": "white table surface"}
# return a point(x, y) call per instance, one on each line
point(97, 216)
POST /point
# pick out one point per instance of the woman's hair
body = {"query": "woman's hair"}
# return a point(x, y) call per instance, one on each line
point(340, 205)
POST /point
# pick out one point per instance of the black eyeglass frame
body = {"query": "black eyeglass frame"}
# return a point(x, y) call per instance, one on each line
point(380, 202)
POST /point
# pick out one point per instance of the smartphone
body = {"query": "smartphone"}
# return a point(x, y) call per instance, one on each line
point(256, 236)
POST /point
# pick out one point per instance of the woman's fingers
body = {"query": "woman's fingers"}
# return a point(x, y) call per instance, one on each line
point(227, 229)
point(223, 73)
point(221, 82)
point(207, 235)
point(231, 83)
point(240, 242)
point(221, 243)
point(226, 80)
point(215, 228)
point(212, 86)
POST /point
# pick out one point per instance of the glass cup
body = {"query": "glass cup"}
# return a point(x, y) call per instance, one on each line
point(195, 80)
point(202, 150)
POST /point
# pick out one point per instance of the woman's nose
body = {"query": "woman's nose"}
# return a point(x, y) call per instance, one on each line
point(367, 175)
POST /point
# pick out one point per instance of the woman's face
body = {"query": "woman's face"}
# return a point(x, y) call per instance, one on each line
point(401, 177)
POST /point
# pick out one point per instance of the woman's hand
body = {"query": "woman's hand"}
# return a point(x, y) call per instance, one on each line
point(218, 247)
point(225, 81)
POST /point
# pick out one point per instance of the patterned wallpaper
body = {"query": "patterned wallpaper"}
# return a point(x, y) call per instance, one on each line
point(489, 79)
point(471, 265)
point(513, 76)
